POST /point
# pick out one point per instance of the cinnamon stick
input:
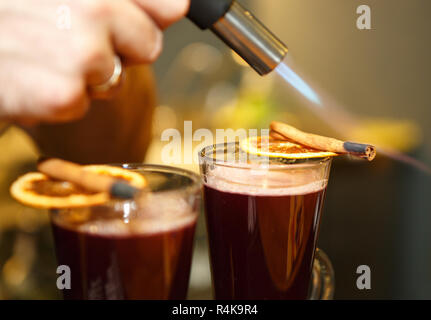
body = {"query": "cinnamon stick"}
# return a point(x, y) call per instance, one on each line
point(72, 172)
point(284, 131)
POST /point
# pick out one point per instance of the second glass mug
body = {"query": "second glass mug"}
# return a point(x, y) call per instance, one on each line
point(263, 218)
point(132, 249)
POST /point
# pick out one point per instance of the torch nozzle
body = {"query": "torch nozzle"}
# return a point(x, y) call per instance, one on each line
point(242, 32)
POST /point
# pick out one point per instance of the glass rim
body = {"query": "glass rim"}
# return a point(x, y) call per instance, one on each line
point(205, 158)
point(194, 187)
point(196, 180)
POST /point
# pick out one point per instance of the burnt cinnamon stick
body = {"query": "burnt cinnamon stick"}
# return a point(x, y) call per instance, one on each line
point(284, 131)
point(72, 172)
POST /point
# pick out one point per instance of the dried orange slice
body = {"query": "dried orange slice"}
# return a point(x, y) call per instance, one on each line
point(135, 179)
point(270, 147)
point(35, 189)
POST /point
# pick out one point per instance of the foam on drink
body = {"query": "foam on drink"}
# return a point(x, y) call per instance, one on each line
point(152, 213)
point(302, 180)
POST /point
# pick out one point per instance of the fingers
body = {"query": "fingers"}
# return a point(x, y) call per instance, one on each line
point(85, 50)
point(165, 12)
point(99, 29)
point(135, 36)
point(66, 100)
point(61, 97)
point(94, 58)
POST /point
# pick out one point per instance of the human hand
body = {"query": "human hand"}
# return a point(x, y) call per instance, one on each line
point(46, 65)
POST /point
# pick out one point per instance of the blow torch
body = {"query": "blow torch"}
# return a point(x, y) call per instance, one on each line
point(241, 31)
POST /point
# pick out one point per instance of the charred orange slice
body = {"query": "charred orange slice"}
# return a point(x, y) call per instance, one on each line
point(270, 147)
point(35, 189)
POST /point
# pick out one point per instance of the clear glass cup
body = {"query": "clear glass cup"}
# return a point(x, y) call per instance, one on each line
point(132, 249)
point(263, 217)
point(322, 278)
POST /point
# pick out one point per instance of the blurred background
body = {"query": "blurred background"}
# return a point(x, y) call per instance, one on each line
point(376, 214)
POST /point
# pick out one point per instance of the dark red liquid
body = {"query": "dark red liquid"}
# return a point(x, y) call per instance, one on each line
point(262, 247)
point(134, 266)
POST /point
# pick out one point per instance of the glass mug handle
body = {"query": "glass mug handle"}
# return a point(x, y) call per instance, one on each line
point(322, 278)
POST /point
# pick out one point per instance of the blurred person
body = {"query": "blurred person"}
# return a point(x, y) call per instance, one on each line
point(58, 56)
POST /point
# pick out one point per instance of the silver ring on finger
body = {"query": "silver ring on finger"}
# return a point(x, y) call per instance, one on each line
point(113, 81)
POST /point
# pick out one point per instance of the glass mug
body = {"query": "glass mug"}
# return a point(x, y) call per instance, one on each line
point(263, 217)
point(132, 249)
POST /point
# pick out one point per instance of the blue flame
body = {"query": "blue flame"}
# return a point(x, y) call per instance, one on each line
point(295, 81)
